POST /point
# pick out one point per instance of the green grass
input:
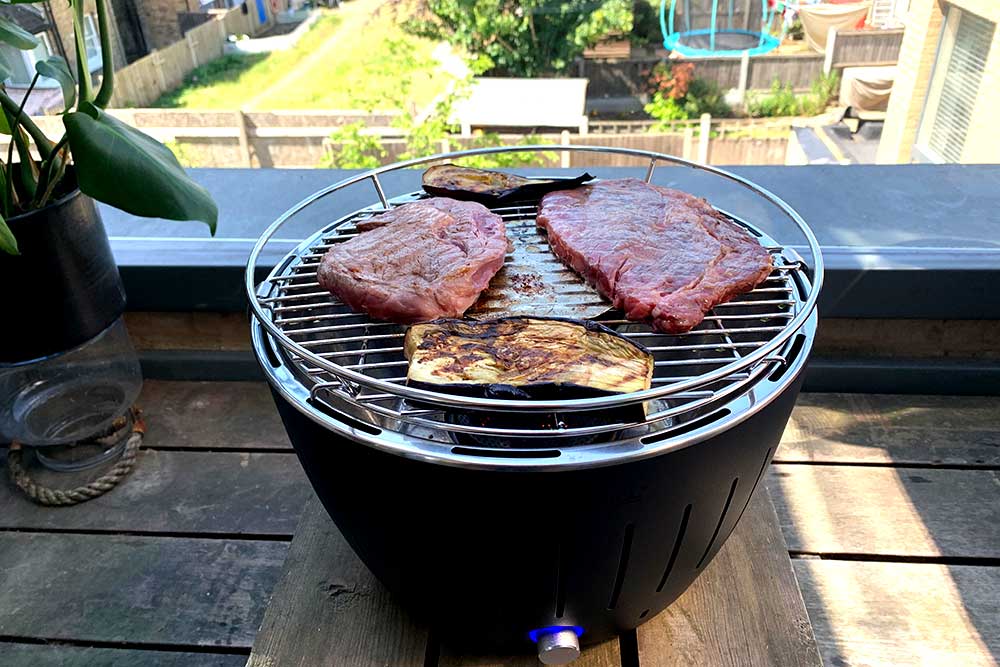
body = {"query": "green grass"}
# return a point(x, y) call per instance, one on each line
point(365, 71)
point(233, 80)
point(355, 69)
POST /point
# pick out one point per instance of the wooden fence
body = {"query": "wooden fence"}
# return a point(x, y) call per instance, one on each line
point(146, 79)
point(857, 48)
point(301, 139)
point(254, 140)
point(630, 77)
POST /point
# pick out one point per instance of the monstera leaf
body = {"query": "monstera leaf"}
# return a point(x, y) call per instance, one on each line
point(56, 68)
point(122, 167)
point(7, 242)
point(16, 36)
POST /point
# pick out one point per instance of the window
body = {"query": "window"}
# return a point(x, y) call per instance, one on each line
point(93, 42)
point(22, 63)
point(958, 71)
point(889, 13)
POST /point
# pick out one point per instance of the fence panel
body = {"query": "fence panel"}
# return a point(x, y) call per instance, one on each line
point(867, 47)
point(799, 70)
point(146, 79)
point(671, 144)
point(205, 42)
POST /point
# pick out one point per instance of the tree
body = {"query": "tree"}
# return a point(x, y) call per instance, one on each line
point(529, 38)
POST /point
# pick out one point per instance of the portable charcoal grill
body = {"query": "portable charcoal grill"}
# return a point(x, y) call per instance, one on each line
point(506, 535)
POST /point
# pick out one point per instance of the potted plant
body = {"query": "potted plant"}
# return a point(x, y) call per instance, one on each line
point(67, 368)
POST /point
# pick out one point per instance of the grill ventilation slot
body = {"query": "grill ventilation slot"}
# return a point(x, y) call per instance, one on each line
point(560, 582)
point(622, 565)
point(508, 453)
point(677, 548)
point(718, 526)
point(692, 425)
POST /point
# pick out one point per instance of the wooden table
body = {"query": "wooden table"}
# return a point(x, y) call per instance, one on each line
point(745, 609)
point(889, 507)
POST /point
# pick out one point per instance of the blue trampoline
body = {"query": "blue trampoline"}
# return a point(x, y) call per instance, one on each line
point(707, 33)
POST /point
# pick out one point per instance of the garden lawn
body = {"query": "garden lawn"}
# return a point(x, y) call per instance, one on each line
point(344, 62)
point(232, 81)
point(363, 70)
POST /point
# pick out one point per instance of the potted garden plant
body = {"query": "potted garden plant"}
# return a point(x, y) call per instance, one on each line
point(67, 368)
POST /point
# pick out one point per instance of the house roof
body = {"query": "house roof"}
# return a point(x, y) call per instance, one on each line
point(29, 17)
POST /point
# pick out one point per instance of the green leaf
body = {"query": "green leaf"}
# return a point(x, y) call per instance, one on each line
point(5, 71)
point(122, 167)
point(54, 67)
point(13, 34)
point(7, 241)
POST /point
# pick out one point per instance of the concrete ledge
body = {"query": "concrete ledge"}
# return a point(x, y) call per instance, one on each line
point(901, 241)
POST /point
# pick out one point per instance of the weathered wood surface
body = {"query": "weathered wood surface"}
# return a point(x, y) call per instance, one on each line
point(890, 429)
point(139, 590)
point(211, 415)
point(888, 511)
point(41, 655)
point(177, 492)
point(745, 609)
point(329, 609)
point(890, 614)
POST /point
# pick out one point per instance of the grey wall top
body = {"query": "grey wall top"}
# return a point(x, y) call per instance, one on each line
point(937, 224)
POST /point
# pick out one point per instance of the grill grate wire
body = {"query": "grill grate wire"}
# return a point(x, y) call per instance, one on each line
point(316, 321)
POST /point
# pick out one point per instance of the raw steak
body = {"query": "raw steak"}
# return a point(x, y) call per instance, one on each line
point(430, 259)
point(658, 254)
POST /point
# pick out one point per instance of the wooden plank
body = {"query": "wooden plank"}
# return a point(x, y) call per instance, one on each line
point(889, 614)
point(211, 415)
point(329, 609)
point(140, 590)
point(873, 428)
point(745, 608)
point(176, 492)
point(42, 655)
point(888, 511)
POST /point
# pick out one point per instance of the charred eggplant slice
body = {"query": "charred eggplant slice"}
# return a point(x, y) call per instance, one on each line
point(523, 357)
point(528, 359)
point(492, 187)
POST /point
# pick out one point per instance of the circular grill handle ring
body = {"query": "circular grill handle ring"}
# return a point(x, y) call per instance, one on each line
point(255, 292)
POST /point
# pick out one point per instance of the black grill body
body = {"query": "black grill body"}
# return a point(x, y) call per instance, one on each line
point(489, 555)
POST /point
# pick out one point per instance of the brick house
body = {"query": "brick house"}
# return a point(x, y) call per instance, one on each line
point(947, 89)
point(52, 24)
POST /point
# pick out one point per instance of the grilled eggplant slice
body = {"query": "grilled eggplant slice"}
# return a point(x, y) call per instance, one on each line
point(528, 359)
point(492, 187)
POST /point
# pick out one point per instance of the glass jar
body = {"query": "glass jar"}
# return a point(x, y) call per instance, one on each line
point(73, 395)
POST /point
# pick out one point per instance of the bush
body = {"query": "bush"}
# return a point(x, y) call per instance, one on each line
point(353, 149)
point(705, 96)
point(782, 100)
point(679, 95)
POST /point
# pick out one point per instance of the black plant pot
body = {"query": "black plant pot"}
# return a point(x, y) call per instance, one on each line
point(67, 367)
point(64, 288)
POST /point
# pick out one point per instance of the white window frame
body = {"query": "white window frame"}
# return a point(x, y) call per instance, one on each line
point(942, 59)
point(92, 42)
point(29, 58)
point(888, 13)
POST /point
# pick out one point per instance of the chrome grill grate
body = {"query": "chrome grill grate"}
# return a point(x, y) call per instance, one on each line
point(329, 339)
